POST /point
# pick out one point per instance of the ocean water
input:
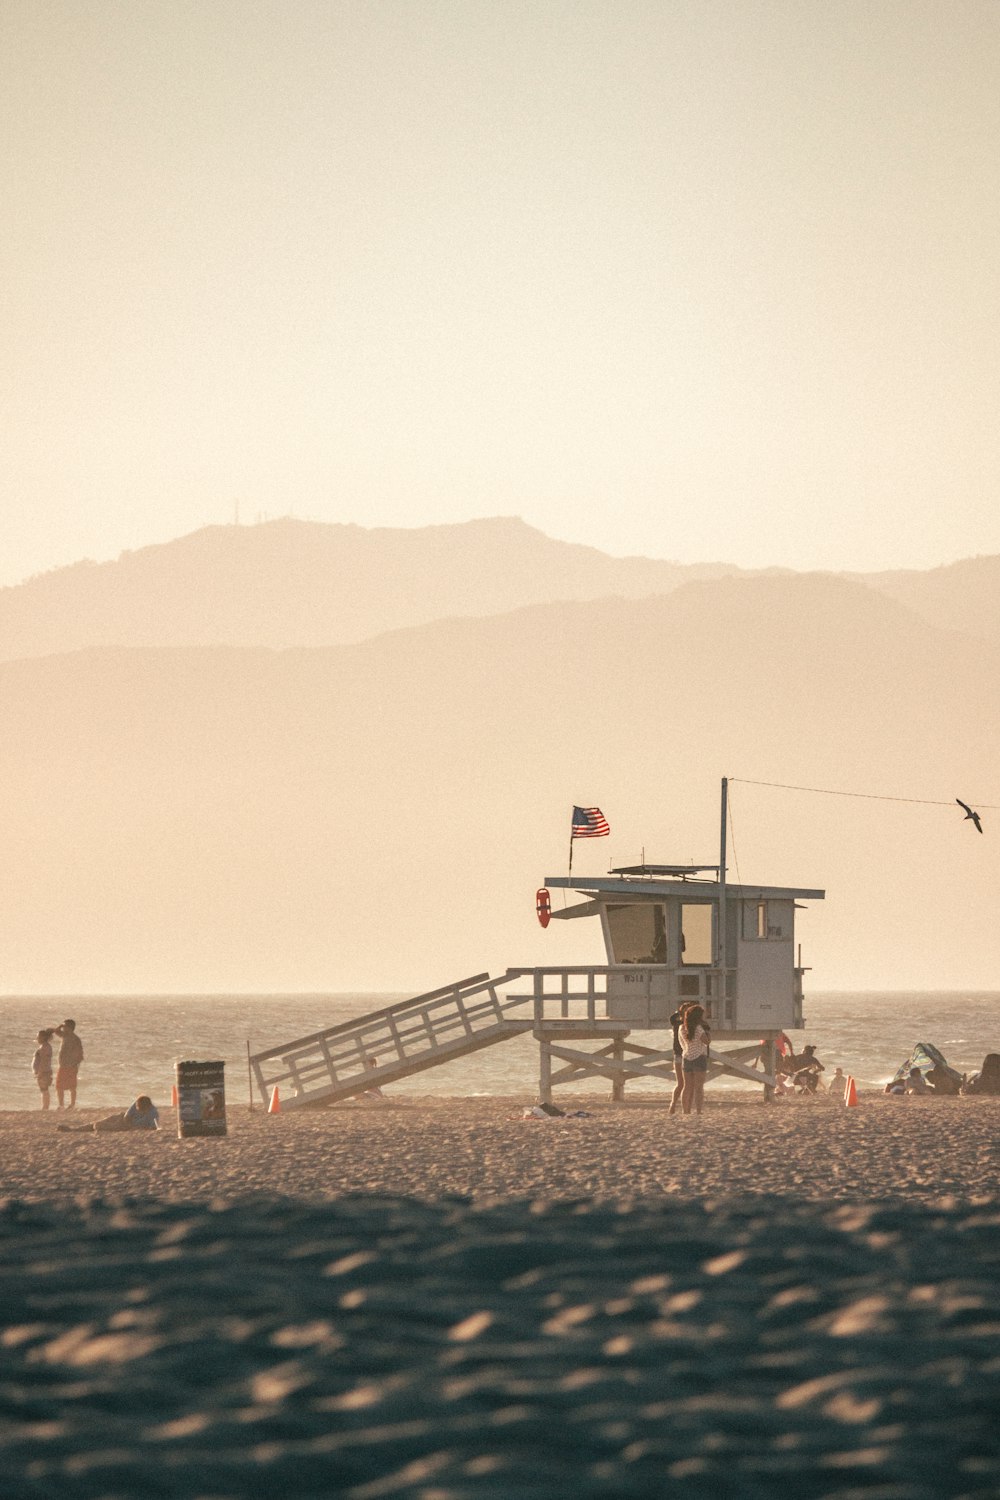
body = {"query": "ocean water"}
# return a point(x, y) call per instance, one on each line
point(132, 1042)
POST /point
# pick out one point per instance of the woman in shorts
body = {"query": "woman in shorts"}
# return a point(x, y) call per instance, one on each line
point(694, 1037)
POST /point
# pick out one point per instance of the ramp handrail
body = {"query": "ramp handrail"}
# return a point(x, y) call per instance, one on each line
point(415, 1033)
point(397, 1007)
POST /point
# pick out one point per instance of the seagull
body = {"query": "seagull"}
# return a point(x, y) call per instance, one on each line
point(969, 813)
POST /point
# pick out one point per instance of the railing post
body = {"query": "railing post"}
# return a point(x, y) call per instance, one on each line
point(325, 1049)
point(397, 1039)
point(618, 1081)
point(544, 1072)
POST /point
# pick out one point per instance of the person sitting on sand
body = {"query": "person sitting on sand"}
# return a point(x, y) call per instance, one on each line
point(837, 1084)
point(916, 1083)
point(41, 1065)
point(806, 1070)
point(694, 1039)
point(142, 1115)
point(942, 1081)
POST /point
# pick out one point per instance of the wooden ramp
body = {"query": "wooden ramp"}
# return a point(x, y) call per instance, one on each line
point(396, 1042)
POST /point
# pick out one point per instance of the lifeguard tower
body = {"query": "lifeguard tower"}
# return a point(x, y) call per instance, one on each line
point(671, 933)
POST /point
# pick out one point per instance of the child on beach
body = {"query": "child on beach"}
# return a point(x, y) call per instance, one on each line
point(41, 1065)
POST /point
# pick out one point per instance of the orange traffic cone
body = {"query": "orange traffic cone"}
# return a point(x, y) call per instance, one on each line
point(173, 1096)
point(274, 1108)
point(851, 1092)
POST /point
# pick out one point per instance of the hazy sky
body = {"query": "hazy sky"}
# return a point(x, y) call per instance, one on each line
point(702, 279)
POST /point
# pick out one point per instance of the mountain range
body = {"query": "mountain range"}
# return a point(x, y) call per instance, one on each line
point(301, 583)
point(324, 759)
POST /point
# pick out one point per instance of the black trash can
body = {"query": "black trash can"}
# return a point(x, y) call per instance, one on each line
point(201, 1098)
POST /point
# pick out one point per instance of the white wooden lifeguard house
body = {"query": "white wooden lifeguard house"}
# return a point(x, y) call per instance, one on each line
point(672, 933)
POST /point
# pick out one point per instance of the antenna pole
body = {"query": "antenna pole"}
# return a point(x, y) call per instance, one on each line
point(722, 888)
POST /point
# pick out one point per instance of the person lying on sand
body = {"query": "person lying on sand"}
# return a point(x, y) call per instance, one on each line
point(142, 1115)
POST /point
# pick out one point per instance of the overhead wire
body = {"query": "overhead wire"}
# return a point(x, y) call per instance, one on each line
point(826, 791)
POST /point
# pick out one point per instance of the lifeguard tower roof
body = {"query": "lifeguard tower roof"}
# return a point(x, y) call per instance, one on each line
point(677, 932)
point(672, 884)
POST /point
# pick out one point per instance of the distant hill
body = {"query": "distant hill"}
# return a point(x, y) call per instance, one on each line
point(301, 583)
point(962, 596)
point(378, 815)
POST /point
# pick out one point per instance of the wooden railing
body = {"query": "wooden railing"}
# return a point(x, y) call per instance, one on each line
point(389, 1043)
point(557, 997)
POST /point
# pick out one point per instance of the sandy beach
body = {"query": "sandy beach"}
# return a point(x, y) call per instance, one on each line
point(442, 1299)
point(917, 1150)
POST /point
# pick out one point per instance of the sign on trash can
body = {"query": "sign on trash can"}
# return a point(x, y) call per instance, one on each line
point(201, 1098)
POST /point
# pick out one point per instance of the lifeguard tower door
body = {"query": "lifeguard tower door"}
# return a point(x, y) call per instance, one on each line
point(766, 965)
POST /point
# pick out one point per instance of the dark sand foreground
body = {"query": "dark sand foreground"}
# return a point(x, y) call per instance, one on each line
point(441, 1299)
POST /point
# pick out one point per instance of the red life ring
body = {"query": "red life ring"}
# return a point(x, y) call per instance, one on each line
point(543, 906)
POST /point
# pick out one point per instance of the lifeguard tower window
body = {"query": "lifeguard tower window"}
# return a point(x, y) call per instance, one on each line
point(696, 933)
point(638, 933)
point(759, 922)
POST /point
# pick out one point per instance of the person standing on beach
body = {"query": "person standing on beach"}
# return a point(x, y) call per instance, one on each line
point(70, 1058)
point(41, 1065)
point(675, 1097)
point(694, 1038)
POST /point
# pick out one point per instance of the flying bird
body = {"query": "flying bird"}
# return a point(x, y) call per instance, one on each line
point(969, 813)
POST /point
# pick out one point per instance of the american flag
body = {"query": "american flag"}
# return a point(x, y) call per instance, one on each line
point(589, 823)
